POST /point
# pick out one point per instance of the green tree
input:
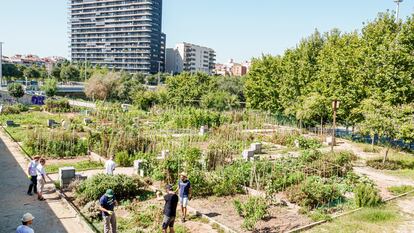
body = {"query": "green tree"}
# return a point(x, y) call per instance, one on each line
point(32, 72)
point(70, 73)
point(263, 83)
point(11, 71)
point(55, 72)
point(378, 120)
point(50, 87)
point(16, 90)
point(220, 101)
point(187, 89)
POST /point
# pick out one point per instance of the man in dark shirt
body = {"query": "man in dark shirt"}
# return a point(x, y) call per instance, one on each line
point(170, 209)
point(107, 204)
point(184, 187)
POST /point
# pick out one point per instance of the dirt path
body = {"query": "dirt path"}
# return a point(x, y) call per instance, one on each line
point(198, 227)
point(51, 216)
point(407, 209)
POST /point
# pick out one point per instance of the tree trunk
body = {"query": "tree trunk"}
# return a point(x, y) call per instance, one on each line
point(321, 126)
point(386, 155)
point(372, 142)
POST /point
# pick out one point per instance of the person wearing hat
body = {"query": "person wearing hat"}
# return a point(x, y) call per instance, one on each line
point(32, 175)
point(184, 187)
point(27, 220)
point(107, 204)
point(170, 208)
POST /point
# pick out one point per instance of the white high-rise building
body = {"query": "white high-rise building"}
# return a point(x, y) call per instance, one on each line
point(191, 58)
point(120, 34)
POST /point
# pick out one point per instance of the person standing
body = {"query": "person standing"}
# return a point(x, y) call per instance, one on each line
point(107, 204)
point(110, 166)
point(27, 220)
point(170, 208)
point(41, 178)
point(32, 175)
point(184, 187)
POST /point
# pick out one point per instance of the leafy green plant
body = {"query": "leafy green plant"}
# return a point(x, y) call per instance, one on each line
point(253, 210)
point(124, 187)
point(366, 195)
point(55, 143)
point(314, 192)
point(59, 105)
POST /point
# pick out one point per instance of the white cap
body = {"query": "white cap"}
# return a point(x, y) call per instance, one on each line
point(27, 217)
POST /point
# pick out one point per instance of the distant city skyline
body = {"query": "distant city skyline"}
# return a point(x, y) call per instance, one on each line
point(237, 29)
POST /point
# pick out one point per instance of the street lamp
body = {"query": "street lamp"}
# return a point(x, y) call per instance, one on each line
point(397, 12)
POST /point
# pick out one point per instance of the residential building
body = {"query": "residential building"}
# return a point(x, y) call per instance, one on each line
point(120, 34)
point(191, 58)
point(29, 60)
point(232, 69)
point(238, 70)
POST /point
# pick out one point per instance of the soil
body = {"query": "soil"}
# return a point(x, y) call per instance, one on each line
point(221, 209)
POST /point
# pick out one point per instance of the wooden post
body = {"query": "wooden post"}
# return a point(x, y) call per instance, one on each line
point(335, 104)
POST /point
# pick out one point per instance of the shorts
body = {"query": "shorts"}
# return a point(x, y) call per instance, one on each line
point(40, 185)
point(184, 201)
point(168, 222)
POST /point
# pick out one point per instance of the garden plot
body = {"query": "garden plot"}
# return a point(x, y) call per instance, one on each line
point(221, 209)
point(289, 169)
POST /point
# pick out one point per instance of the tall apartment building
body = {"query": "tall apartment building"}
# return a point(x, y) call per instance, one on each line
point(120, 34)
point(191, 58)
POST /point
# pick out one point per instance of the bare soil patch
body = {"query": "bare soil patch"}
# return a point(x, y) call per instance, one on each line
point(221, 209)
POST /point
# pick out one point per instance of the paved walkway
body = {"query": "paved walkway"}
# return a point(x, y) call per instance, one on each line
point(51, 216)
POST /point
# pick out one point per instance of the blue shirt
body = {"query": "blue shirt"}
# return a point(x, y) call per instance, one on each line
point(107, 203)
point(184, 187)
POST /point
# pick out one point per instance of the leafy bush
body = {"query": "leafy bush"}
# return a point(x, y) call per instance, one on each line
point(308, 143)
point(191, 118)
point(398, 190)
point(55, 143)
point(366, 195)
point(253, 210)
point(123, 159)
point(124, 187)
point(390, 164)
point(14, 109)
point(314, 192)
point(11, 109)
point(60, 105)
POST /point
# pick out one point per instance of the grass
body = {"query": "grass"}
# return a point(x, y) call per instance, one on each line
point(80, 166)
point(398, 190)
point(402, 173)
point(369, 220)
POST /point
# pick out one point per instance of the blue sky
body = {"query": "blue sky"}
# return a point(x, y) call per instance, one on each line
point(239, 29)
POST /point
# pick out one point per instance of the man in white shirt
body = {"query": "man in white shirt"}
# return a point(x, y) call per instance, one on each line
point(32, 175)
point(41, 178)
point(27, 220)
point(110, 166)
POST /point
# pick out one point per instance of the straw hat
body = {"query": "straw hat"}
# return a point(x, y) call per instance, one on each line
point(27, 217)
point(184, 174)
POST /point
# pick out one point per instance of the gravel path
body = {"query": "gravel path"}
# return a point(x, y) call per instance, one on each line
point(51, 216)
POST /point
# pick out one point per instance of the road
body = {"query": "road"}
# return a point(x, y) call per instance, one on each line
point(51, 216)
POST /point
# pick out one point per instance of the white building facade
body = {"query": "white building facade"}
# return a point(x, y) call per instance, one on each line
point(120, 34)
point(190, 58)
